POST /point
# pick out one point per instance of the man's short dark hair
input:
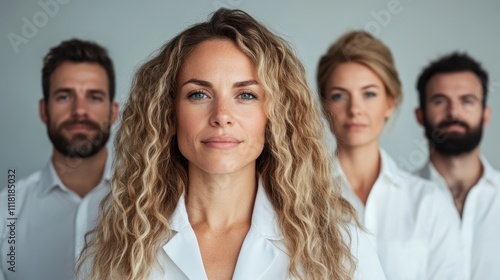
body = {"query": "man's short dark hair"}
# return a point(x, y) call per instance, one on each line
point(454, 62)
point(76, 50)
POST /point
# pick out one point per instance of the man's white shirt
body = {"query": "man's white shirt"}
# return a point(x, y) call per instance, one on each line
point(414, 233)
point(50, 225)
point(480, 225)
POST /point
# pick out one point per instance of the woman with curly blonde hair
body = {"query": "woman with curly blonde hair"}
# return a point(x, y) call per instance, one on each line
point(221, 169)
point(359, 89)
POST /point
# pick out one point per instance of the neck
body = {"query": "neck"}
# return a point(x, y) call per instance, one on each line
point(220, 201)
point(80, 175)
point(361, 166)
point(465, 169)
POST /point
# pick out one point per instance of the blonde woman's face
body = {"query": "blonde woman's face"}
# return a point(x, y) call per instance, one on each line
point(220, 110)
point(357, 105)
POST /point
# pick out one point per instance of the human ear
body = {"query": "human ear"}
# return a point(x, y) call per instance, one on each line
point(42, 110)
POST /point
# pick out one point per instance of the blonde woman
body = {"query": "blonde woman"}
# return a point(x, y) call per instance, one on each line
point(359, 89)
point(222, 171)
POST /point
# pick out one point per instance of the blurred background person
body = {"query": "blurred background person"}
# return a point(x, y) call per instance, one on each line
point(452, 93)
point(413, 233)
point(55, 205)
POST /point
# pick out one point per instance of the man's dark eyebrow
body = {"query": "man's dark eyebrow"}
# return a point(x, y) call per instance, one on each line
point(437, 95)
point(63, 90)
point(96, 91)
point(470, 95)
point(69, 90)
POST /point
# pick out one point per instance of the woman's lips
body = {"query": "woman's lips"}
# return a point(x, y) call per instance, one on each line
point(354, 126)
point(221, 142)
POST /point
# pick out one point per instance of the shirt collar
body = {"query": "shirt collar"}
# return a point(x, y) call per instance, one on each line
point(388, 169)
point(488, 177)
point(430, 172)
point(50, 180)
point(489, 174)
point(264, 218)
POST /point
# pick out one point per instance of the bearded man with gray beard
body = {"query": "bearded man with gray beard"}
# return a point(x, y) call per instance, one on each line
point(54, 207)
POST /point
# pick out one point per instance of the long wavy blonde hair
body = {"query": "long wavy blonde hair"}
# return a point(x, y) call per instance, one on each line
point(151, 173)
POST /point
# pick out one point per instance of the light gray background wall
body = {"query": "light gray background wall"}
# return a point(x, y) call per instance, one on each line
point(417, 31)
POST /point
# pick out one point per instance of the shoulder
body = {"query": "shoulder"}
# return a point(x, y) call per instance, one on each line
point(495, 174)
point(490, 174)
point(15, 194)
point(495, 177)
point(20, 187)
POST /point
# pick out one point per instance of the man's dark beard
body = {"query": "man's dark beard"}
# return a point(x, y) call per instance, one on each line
point(453, 143)
point(80, 146)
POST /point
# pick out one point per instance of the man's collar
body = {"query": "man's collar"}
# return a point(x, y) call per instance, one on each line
point(49, 179)
point(489, 174)
point(430, 172)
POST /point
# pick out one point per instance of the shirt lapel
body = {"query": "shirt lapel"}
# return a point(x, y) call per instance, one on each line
point(183, 248)
point(257, 256)
point(258, 252)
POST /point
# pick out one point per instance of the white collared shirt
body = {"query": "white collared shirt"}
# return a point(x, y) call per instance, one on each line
point(413, 232)
point(263, 254)
point(480, 227)
point(50, 225)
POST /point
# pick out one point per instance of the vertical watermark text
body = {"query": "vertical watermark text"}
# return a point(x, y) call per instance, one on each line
point(11, 219)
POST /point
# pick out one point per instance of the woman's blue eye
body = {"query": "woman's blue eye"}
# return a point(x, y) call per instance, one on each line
point(336, 96)
point(370, 94)
point(247, 96)
point(197, 95)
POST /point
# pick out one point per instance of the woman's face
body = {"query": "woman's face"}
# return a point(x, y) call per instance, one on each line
point(357, 105)
point(220, 112)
